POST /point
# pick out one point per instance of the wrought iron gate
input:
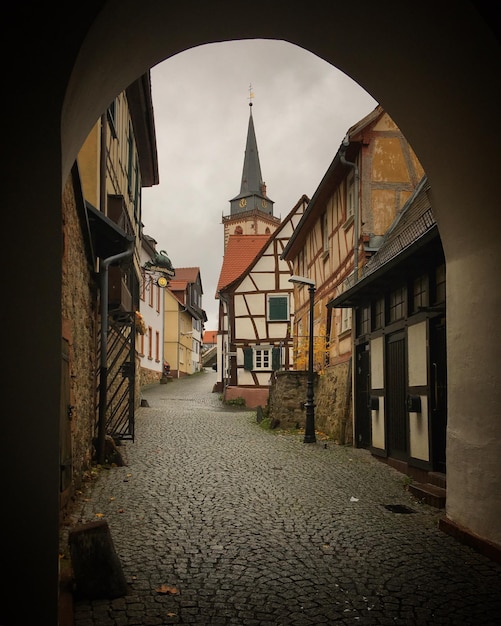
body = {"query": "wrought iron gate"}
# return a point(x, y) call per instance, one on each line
point(120, 389)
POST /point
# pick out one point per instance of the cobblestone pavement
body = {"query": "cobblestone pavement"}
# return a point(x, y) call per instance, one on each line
point(218, 521)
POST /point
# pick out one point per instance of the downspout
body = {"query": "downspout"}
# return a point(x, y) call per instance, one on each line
point(103, 370)
point(356, 183)
point(223, 355)
point(179, 344)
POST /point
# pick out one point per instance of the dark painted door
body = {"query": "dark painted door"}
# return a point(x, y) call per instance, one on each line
point(396, 388)
point(362, 397)
point(438, 382)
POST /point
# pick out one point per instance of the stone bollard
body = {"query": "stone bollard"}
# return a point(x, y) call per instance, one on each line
point(96, 567)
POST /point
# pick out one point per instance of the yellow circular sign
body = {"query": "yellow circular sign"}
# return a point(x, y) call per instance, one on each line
point(162, 281)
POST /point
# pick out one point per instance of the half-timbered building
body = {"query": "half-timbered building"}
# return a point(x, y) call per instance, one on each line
point(400, 379)
point(256, 311)
point(372, 175)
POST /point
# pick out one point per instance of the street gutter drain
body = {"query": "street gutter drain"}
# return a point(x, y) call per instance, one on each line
point(398, 508)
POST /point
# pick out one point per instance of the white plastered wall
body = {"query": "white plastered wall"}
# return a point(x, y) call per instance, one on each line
point(417, 372)
point(377, 383)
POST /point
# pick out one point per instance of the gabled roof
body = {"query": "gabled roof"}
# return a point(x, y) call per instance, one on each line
point(179, 286)
point(183, 277)
point(240, 251)
point(210, 336)
point(236, 267)
point(188, 274)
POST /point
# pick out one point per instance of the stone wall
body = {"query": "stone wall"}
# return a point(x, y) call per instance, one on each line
point(332, 397)
point(333, 412)
point(149, 377)
point(287, 397)
point(79, 313)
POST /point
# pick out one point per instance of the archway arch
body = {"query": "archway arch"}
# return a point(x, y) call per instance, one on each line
point(431, 68)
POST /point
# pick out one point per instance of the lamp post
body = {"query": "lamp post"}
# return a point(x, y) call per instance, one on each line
point(309, 430)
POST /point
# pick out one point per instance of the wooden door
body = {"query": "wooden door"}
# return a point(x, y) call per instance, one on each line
point(363, 437)
point(438, 395)
point(396, 389)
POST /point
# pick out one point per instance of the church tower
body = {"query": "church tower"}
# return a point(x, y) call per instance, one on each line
point(251, 211)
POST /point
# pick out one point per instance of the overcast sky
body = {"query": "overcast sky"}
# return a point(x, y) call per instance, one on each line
point(302, 108)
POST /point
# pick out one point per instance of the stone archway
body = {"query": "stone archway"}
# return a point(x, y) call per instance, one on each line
point(431, 68)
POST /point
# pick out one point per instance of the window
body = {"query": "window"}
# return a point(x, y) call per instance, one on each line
point(363, 319)
point(396, 304)
point(345, 320)
point(142, 295)
point(325, 234)
point(278, 308)
point(350, 196)
point(419, 293)
point(150, 342)
point(262, 358)
point(378, 314)
point(112, 118)
point(439, 295)
point(157, 346)
point(151, 288)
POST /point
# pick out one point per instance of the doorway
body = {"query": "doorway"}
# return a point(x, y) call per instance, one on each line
point(362, 397)
point(438, 388)
point(396, 416)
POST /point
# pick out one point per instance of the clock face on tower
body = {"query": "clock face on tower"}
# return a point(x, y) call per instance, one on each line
point(243, 202)
point(264, 204)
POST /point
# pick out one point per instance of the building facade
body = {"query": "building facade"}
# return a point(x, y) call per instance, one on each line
point(117, 159)
point(256, 312)
point(150, 339)
point(184, 321)
point(400, 347)
point(372, 175)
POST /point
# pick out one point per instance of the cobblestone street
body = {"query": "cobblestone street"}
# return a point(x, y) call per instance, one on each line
point(219, 521)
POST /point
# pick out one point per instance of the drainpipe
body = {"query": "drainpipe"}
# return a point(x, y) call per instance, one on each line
point(356, 183)
point(103, 370)
point(228, 339)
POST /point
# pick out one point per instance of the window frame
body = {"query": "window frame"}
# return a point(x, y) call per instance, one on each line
point(277, 296)
point(273, 358)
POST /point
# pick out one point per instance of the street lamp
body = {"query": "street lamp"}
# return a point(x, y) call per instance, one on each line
point(309, 430)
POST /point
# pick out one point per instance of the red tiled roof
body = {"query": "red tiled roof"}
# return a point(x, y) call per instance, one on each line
point(183, 276)
point(240, 251)
point(188, 274)
point(210, 336)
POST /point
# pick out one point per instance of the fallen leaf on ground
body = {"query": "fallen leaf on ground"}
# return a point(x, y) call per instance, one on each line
point(167, 589)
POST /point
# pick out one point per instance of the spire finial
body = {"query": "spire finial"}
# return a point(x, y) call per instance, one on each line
point(251, 94)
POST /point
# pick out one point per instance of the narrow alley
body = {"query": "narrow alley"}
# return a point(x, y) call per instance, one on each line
point(218, 521)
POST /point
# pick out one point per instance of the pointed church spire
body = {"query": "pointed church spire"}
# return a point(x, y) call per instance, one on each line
point(252, 188)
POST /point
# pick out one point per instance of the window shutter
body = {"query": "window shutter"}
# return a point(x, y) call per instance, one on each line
point(275, 359)
point(248, 359)
point(278, 308)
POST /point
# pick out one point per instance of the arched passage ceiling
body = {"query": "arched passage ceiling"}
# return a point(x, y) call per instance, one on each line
point(421, 63)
